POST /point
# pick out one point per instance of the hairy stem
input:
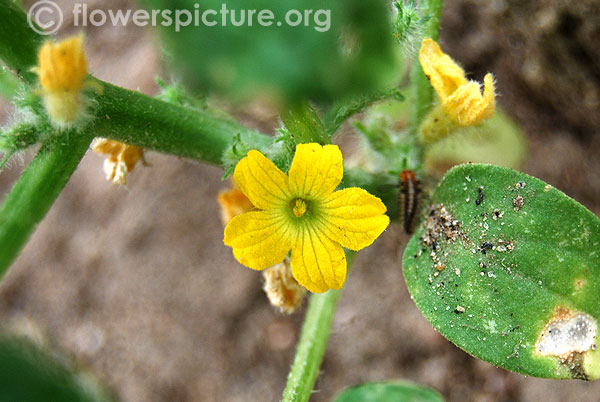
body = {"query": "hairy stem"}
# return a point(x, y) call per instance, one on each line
point(343, 110)
point(150, 123)
point(312, 343)
point(35, 192)
point(421, 91)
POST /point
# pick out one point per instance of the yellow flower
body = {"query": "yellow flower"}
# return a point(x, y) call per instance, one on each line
point(62, 70)
point(121, 159)
point(301, 212)
point(461, 99)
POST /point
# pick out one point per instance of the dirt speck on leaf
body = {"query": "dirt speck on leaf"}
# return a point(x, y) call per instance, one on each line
point(518, 202)
point(440, 225)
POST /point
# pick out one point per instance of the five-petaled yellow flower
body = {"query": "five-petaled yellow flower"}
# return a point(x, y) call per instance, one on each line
point(302, 212)
point(462, 102)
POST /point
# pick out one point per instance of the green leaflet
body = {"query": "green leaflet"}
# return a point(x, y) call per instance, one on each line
point(508, 268)
point(397, 391)
point(292, 63)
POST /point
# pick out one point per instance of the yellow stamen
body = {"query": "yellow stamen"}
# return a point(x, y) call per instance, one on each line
point(299, 208)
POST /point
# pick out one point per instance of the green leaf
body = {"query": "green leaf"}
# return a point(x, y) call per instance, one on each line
point(353, 56)
point(508, 268)
point(29, 373)
point(389, 392)
point(304, 124)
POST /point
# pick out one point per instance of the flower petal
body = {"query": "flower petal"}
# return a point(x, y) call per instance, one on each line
point(467, 106)
point(316, 170)
point(261, 181)
point(444, 74)
point(354, 218)
point(318, 263)
point(259, 239)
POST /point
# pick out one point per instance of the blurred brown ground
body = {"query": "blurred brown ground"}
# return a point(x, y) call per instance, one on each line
point(136, 284)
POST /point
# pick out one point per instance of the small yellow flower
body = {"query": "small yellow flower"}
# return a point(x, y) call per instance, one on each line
point(301, 212)
point(62, 70)
point(462, 99)
point(121, 159)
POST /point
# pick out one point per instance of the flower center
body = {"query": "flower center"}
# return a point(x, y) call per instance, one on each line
point(299, 207)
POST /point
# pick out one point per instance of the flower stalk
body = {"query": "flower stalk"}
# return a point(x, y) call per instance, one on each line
point(312, 343)
point(421, 90)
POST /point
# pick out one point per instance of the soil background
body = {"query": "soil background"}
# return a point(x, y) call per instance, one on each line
point(135, 284)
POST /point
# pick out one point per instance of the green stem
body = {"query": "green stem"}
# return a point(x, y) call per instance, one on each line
point(312, 343)
point(342, 111)
point(305, 125)
point(35, 192)
point(150, 123)
point(128, 116)
point(421, 91)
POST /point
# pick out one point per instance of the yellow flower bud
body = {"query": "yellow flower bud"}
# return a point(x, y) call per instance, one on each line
point(462, 103)
point(62, 70)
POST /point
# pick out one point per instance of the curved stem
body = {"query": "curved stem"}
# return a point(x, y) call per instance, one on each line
point(312, 343)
